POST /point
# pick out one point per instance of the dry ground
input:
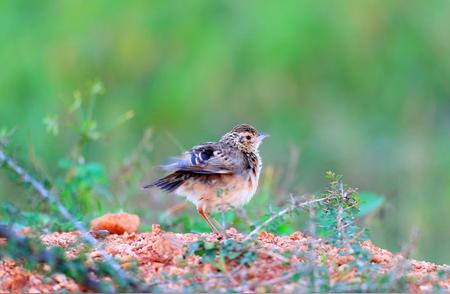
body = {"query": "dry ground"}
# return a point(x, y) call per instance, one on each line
point(160, 254)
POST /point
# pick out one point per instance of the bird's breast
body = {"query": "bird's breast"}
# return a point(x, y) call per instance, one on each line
point(220, 192)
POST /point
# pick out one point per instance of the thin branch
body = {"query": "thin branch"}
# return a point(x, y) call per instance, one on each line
point(278, 279)
point(285, 211)
point(408, 247)
point(274, 255)
point(47, 195)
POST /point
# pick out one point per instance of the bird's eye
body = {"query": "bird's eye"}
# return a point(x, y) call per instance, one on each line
point(248, 137)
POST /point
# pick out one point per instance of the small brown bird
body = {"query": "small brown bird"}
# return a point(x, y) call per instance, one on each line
point(217, 175)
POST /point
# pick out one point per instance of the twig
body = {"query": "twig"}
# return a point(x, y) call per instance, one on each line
point(174, 210)
point(340, 211)
point(274, 255)
point(47, 195)
point(408, 247)
point(175, 141)
point(278, 279)
point(283, 212)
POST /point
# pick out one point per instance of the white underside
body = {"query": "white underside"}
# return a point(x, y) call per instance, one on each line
point(233, 195)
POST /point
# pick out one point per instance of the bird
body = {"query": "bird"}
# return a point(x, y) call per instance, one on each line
point(217, 176)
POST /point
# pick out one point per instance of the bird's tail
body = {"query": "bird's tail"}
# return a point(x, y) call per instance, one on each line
point(168, 183)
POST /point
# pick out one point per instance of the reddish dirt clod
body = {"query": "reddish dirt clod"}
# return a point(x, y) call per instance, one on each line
point(118, 223)
point(156, 229)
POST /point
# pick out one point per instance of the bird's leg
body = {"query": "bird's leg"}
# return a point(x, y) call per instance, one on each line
point(223, 233)
point(216, 223)
point(205, 217)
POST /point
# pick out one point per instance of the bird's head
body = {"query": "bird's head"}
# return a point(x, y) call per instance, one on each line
point(245, 137)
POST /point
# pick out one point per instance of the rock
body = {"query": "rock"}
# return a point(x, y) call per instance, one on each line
point(156, 229)
point(118, 223)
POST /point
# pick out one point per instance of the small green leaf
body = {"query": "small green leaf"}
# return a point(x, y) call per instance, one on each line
point(210, 245)
point(97, 88)
point(51, 124)
point(76, 104)
point(209, 256)
point(296, 277)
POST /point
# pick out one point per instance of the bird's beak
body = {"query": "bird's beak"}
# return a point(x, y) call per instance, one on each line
point(262, 136)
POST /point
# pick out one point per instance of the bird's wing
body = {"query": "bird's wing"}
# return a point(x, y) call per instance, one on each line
point(208, 158)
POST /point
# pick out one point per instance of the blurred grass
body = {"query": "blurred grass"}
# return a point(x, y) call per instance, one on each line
point(357, 87)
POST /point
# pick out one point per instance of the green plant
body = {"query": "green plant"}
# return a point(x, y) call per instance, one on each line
point(83, 184)
point(337, 215)
point(226, 251)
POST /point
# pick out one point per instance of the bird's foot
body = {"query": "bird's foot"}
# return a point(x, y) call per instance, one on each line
point(221, 235)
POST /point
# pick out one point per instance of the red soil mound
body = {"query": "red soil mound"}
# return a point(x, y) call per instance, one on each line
point(160, 254)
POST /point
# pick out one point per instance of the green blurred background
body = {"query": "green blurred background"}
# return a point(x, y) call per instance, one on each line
point(358, 87)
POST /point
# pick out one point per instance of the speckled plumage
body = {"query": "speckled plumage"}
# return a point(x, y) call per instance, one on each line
point(217, 175)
